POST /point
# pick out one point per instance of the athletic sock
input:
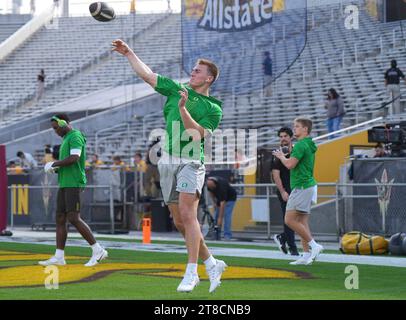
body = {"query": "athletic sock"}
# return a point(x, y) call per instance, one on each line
point(313, 243)
point(59, 254)
point(191, 268)
point(96, 247)
point(210, 262)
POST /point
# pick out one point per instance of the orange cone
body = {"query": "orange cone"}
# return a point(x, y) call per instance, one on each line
point(146, 230)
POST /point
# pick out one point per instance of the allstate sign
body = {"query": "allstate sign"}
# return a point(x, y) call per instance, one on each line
point(235, 34)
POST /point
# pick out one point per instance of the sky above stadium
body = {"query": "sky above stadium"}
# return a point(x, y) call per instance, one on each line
point(80, 7)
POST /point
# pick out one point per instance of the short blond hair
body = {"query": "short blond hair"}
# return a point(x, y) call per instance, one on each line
point(305, 122)
point(211, 67)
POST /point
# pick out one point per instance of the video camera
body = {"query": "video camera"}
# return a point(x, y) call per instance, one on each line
point(392, 134)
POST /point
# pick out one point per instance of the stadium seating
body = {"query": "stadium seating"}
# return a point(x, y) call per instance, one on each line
point(10, 23)
point(74, 65)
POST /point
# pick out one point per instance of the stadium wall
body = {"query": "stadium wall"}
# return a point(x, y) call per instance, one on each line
point(332, 154)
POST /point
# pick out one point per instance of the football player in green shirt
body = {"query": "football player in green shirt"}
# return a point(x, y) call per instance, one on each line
point(190, 114)
point(71, 180)
point(304, 188)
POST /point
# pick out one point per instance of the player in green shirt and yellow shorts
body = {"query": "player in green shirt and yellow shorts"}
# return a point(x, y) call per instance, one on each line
point(190, 114)
point(72, 181)
point(304, 188)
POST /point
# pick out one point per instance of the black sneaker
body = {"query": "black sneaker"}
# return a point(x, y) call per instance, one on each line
point(293, 252)
point(281, 245)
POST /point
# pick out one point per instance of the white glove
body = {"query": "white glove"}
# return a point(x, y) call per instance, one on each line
point(48, 167)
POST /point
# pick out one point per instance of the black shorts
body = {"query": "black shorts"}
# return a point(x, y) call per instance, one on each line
point(68, 200)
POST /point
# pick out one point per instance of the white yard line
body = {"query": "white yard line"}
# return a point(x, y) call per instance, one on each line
point(231, 252)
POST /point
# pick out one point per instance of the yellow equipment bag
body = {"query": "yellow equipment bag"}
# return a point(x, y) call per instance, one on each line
point(359, 243)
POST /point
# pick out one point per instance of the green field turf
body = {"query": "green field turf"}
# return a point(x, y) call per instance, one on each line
point(326, 281)
point(219, 244)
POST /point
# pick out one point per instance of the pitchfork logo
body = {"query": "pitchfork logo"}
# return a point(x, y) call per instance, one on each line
point(384, 192)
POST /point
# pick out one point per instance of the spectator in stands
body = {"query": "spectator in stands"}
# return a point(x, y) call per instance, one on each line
point(169, 6)
point(335, 111)
point(392, 84)
point(224, 197)
point(95, 162)
point(27, 160)
point(281, 177)
point(41, 84)
point(380, 151)
point(119, 164)
point(48, 157)
point(13, 168)
point(267, 67)
point(139, 163)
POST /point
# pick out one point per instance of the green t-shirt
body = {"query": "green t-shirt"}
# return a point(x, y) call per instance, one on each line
point(72, 176)
point(301, 176)
point(206, 111)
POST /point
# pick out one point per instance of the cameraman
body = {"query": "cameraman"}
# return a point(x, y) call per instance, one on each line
point(281, 177)
point(224, 197)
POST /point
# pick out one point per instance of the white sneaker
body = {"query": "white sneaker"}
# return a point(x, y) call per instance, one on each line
point(189, 282)
point(302, 260)
point(53, 261)
point(215, 274)
point(316, 251)
point(97, 257)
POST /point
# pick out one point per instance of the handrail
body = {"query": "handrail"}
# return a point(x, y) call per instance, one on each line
point(356, 126)
point(357, 102)
point(383, 105)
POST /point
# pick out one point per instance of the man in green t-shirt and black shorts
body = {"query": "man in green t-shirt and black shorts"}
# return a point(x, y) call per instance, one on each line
point(304, 188)
point(190, 114)
point(72, 181)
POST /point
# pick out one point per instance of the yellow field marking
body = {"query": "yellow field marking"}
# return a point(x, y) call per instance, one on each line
point(25, 256)
point(23, 276)
point(4, 252)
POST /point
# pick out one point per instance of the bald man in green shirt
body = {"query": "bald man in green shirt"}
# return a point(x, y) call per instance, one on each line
point(190, 114)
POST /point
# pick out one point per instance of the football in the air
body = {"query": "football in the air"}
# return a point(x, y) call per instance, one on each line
point(101, 11)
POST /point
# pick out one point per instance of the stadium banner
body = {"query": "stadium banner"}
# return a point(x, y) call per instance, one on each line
point(18, 200)
point(386, 213)
point(235, 34)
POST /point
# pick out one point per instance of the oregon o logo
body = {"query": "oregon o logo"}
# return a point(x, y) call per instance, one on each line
point(33, 275)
